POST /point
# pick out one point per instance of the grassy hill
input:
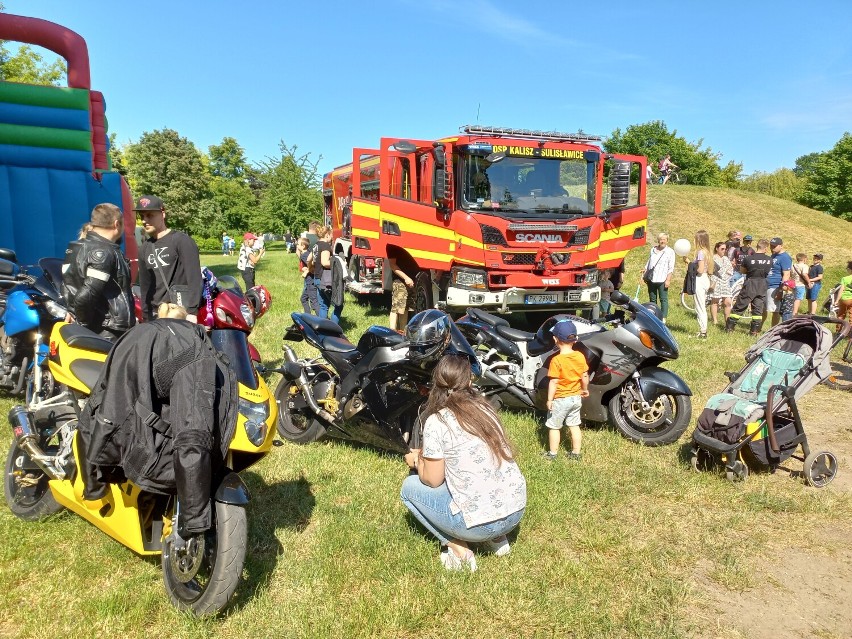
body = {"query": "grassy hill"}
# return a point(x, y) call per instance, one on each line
point(624, 544)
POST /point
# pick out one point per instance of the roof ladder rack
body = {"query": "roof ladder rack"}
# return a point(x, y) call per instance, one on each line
point(529, 134)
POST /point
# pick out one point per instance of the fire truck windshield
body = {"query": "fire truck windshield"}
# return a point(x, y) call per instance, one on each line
point(537, 186)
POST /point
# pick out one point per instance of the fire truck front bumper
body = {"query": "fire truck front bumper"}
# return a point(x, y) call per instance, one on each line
point(528, 299)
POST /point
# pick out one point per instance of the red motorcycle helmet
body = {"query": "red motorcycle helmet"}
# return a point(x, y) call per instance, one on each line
point(260, 299)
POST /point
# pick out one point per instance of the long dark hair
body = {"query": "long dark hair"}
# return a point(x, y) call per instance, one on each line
point(451, 389)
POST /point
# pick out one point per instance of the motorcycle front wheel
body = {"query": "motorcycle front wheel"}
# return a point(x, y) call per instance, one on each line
point(203, 576)
point(663, 422)
point(26, 485)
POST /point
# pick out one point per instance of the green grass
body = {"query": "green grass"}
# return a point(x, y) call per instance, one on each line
point(608, 547)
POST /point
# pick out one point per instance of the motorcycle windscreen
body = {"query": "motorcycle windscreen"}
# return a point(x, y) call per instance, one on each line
point(459, 346)
point(235, 345)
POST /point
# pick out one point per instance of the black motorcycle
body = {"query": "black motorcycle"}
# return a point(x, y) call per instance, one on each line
point(30, 304)
point(369, 392)
point(627, 387)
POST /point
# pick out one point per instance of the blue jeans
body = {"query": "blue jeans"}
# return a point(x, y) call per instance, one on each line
point(324, 303)
point(431, 507)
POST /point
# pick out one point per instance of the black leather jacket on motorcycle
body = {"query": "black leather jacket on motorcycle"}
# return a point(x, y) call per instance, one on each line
point(96, 285)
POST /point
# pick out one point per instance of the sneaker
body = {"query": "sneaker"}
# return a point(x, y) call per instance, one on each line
point(498, 546)
point(574, 456)
point(701, 336)
point(451, 561)
point(548, 455)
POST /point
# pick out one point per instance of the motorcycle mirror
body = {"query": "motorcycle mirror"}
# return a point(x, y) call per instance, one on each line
point(617, 297)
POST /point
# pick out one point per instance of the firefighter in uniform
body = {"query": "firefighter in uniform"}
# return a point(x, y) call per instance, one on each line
point(755, 267)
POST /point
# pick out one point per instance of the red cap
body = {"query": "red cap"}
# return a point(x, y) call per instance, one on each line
point(249, 236)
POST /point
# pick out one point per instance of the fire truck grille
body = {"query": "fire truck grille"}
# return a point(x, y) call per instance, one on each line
point(528, 259)
point(581, 236)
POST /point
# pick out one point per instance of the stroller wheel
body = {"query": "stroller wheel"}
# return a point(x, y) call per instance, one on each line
point(700, 460)
point(737, 472)
point(820, 468)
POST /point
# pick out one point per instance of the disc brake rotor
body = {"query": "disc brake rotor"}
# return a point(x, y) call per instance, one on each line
point(186, 562)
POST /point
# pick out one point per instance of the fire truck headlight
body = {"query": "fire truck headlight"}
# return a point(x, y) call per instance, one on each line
point(469, 278)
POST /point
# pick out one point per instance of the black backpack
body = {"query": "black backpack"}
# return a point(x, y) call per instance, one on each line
point(689, 279)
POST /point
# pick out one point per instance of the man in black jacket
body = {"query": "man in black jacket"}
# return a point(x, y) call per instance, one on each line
point(169, 265)
point(96, 276)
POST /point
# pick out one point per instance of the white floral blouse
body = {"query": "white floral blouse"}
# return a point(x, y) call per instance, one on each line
point(483, 489)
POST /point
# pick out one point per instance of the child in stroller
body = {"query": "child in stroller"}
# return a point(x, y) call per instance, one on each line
point(755, 421)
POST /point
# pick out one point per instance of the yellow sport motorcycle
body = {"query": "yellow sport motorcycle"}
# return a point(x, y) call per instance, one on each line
point(200, 573)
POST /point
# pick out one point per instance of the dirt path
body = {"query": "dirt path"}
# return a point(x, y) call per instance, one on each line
point(809, 592)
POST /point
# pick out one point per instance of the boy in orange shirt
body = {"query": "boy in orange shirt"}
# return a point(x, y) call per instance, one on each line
point(569, 383)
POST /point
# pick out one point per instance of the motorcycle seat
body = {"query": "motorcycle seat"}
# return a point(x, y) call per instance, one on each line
point(514, 334)
point(81, 337)
point(324, 326)
point(336, 344)
point(486, 318)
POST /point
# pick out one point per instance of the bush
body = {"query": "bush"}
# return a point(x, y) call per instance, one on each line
point(208, 244)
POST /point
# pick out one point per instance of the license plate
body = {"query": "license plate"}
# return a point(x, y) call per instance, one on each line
point(551, 298)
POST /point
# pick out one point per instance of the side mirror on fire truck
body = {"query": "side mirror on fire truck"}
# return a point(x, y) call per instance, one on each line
point(442, 190)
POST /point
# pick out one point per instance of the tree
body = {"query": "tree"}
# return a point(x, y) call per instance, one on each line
point(291, 193)
point(783, 183)
point(29, 67)
point(116, 156)
point(829, 183)
point(165, 164)
point(228, 159)
point(654, 140)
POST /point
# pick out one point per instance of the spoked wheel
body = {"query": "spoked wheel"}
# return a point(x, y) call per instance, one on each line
point(820, 468)
point(25, 485)
point(738, 472)
point(203, 576)
point(661, 422)
point(295, 421)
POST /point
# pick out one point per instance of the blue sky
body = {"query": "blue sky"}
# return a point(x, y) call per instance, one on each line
point(760, 82)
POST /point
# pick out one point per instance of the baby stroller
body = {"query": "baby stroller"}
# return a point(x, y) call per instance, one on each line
point(755, 421)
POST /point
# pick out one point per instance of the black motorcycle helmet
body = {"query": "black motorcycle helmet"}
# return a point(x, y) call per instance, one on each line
point(428, 334)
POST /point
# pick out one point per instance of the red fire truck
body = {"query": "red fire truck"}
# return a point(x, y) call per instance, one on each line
point(494, 218)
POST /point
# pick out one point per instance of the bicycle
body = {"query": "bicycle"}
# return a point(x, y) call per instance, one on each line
point(688, 301)
point(675, 177)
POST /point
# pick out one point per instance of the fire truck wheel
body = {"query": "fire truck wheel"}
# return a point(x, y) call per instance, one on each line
point(354, 268)
point(422, 292)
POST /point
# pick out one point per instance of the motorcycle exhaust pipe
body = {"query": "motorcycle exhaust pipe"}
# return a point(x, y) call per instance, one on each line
point(26, 436)
point(302, 383)
point(510, 388)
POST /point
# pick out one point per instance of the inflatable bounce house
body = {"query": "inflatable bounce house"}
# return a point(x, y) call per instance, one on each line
point(54, 160)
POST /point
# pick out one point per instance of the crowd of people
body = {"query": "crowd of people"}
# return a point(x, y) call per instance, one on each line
point(744, 282)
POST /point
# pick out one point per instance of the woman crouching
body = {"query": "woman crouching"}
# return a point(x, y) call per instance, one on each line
point(468, 487)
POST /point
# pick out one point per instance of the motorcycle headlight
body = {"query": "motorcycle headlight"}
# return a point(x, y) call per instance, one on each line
point(55, 309)
point(248, 314)
point(256, 416)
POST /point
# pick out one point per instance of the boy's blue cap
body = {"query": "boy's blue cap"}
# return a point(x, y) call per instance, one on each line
point(564, 331)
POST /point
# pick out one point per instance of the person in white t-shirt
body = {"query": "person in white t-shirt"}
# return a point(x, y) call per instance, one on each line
point(468, 487)
point(660, 267)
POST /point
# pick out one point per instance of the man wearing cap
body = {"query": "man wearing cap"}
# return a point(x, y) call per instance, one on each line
point(96, 276)
point(247, 259)
point(169, 265)
point(780, 272)
point(753, 294)
point(740, 253)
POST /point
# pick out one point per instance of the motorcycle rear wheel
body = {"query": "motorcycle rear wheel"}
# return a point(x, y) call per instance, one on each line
point(664, 423)
point(210, 588)
point(25, 486)
point(296, 427)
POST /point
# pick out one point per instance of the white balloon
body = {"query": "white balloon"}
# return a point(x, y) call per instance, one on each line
point(682, 247)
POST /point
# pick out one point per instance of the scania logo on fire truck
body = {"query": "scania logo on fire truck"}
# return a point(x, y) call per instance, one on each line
point(538, 237)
